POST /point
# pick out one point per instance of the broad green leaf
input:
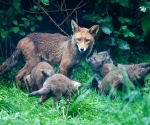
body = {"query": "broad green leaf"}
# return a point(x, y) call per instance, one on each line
point(99, 1)
point(121, 19)
point(32, 28)
point(15, 22)
point(124, 3)
point(15, 29)
point(46, 2)
point(4, 21)
point(92, 17)
point(3, 33)
point(127, 20)
point(16, 4)
point(35, 7)
point(2, 12)
point(145, 24)
point(124, 20)
point(123, 45)
point(110, 41)
point(21, 32)
point(116, 32)
point(100, 20)
point(124, 27)
point(20, 11)
point(22, 25)
point(114, 1)
point(107, 19)
point(107, 28)
point(131, 34)
point(9, 12)
point(29, 16)
point(27, 23)
point(126, 33)
point(23, 18)
point(40, 18)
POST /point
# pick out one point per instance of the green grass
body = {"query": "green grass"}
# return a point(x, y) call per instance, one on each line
point(16, 108)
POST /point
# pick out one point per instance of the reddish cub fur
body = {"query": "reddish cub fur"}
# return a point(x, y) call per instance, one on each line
point(54, 48)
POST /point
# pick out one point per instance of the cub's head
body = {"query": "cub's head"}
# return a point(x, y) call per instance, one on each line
point(105, 55)
point(94, 61)
point(83, 38)
point(76, 86)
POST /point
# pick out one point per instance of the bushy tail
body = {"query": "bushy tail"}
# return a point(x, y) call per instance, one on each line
point(10, 62)
point(42, 91)
point(143, 65)
point(144, 71)
point(45, 73)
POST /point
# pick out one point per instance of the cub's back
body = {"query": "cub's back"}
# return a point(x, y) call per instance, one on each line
point(58, 82)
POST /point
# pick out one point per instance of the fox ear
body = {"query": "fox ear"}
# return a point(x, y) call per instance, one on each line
point(95, 51)
point(74, 26)
point(94, 30)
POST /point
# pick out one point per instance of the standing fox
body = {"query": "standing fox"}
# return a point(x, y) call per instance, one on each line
point(54, 48)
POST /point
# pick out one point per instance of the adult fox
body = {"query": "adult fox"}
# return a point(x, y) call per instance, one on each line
point(55, 48)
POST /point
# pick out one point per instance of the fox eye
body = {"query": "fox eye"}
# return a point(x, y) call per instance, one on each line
point(78, 39)
point(87, 40)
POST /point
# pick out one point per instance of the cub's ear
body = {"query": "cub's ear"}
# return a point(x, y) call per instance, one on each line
point(94, 30)
point(74, 26)
point(108, 50)
point(95, 51)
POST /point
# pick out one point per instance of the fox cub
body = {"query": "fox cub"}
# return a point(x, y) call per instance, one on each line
point(136, 72)
point(56, 49)
point(57, 86)
point(111, 76)
point(34, 81)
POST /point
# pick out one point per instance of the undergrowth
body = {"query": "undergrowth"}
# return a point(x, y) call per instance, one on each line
point(88, 108)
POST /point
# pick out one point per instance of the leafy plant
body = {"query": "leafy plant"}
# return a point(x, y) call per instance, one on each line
point(11, 24)
point(127, 28)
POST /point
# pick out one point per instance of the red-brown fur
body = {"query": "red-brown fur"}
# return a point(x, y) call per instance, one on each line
point(54, 48)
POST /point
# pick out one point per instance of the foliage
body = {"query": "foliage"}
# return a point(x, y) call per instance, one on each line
point(121, 20)
point(88, 108)
point(11, 24)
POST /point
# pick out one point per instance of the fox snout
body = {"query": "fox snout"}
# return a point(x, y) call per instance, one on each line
point(82, 49)
point(88, 60)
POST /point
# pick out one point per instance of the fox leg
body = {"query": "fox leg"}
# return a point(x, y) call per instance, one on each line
point(65, 69)
point(68, 97)
point(27, 84)
point(43, 98)
point(27, 69)
point(57, 98)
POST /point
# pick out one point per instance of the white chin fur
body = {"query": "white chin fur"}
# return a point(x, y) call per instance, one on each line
point(80, 48)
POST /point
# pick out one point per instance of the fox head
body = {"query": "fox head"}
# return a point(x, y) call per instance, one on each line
point(83, 37)
point(105, 55)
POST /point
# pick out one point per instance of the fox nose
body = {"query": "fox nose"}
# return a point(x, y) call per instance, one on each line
point(81, 49)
